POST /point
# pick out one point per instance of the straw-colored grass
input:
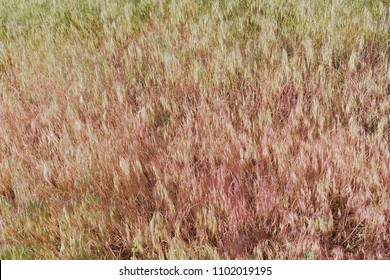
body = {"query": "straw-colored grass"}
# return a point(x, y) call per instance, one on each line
point(194, 129)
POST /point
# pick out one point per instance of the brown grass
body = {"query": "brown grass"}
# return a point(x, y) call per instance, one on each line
point(181, 130)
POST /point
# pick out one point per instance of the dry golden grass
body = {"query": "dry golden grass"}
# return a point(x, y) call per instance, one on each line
point(194, 129)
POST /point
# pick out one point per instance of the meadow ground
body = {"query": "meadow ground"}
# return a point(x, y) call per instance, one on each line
point(194, 129)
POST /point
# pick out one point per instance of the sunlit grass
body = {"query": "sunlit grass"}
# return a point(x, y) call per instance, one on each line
point(194, 129)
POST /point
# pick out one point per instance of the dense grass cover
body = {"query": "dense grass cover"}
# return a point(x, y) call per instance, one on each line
point(194, 129)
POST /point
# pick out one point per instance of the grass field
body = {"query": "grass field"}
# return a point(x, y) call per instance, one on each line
point(218, 129)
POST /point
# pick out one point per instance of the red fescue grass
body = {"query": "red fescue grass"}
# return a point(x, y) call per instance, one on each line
point(179, 130)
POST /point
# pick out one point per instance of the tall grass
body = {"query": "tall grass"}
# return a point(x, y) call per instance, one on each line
point(194, 129)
